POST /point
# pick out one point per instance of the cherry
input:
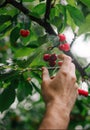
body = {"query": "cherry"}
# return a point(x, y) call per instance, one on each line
point(53, 57)
point(46, 57)
point(64, 47)
point(24, 33)
point(61, 47)
point(52, 63)
point(83, 92)
point(60, 63)
point(62, 37)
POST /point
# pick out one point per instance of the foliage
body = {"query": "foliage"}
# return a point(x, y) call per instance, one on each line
point(22, 57)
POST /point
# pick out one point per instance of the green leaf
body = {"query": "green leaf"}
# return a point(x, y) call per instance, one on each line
point(5, 28)
point(76, 15)
point(8, 75)
point(24, 89)
point(4, 18)
point(88, 70)
point(72, 2)
point(54, 39)
point(70, 21)
point(57, 11)
point(36, 75)
point(86, 2)
point(36, 87)
point(40, 41)
point(84, 28)
point(7, 97)
point(58, 17)
point(39, 9)
point(33, 44)
point(23, 52)
point(14, 35)
point(24, 62)
point(37, 30)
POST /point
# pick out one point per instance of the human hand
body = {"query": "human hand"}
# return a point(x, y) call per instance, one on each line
point(62, 90)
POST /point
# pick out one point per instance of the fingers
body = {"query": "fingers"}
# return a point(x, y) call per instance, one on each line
point(66, 61)
point(65, 58)
point(66, 65)
point(72, 70)
point(45, 74)
point(76, 89)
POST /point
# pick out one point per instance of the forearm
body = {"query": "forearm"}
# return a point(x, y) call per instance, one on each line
point(55, 118)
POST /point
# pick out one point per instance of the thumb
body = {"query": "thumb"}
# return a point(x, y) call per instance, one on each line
point(45, 74)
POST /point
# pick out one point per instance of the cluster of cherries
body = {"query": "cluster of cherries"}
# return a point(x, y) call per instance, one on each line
point(24, 33)
point(64, 46)
point(51, 59)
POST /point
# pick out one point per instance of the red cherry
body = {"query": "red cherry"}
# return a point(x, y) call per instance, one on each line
point(61, 46)
point(24, 33)
point(46, 57)
point(52, 63)
point(53, 57)
point(64, 47)
point(62, 37)
point(83, 92)
point(60, 63)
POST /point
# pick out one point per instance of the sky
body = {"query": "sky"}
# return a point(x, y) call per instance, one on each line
point(80, 47)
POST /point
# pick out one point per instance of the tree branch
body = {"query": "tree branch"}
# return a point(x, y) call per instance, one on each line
point(78, 66)
point(3, 4)
point(47, 27)
point(86, 66)
point(41, 22)
point(75, 35)
point(48, 7)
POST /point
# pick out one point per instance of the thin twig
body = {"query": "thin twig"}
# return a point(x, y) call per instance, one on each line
point(86, 66)
point(75, 35)
point(40, 69)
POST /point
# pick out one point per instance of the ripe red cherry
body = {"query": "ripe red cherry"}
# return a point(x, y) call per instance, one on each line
point(83, 92)
point(46, 57)
point(52, 63)
point(61, 37)
point(61, 46)
point(64, 47)
point(53, 57)
point(60, 63)
point(24, 33)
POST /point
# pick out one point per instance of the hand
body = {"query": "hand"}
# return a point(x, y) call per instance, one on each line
point(61, 90)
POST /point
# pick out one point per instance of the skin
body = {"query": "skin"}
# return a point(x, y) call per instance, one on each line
point(59, 93)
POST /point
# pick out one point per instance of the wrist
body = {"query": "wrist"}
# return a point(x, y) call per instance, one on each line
point(59, 109)
point(56, 117)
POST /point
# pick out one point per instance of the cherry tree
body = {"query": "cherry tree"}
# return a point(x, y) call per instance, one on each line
point(31, 36)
